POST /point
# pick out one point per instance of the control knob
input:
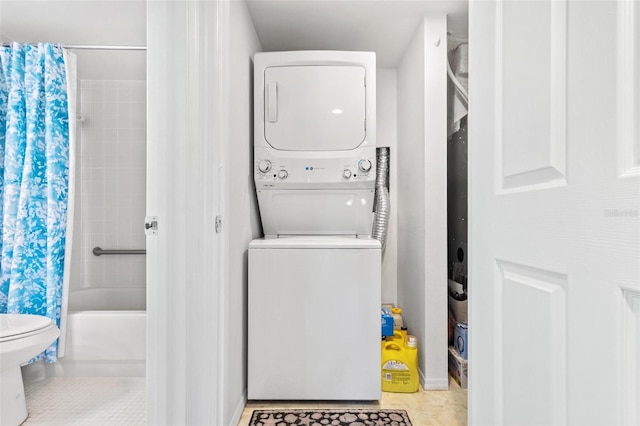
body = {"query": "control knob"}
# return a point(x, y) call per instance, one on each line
point(283, 174)
point(264, 166)
point(364, 165)
point(346, 174)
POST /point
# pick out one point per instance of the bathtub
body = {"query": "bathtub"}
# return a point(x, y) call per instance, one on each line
point(106, 336)
point(108, 299)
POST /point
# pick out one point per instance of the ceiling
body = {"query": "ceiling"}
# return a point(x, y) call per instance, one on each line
point(382, 26)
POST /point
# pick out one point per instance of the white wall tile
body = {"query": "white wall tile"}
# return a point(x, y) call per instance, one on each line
point(111, 174)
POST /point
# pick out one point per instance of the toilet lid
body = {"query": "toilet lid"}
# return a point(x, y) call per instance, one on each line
point(16, 324)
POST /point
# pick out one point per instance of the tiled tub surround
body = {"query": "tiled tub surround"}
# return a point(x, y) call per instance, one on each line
point(111, 185)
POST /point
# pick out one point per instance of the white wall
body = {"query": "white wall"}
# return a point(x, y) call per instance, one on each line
point(435, 187)
point(386, 94)
point(422, 197)
point(411, 195)
point(243, 223)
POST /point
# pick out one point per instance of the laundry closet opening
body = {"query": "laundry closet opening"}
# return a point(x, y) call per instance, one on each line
point(411, 121)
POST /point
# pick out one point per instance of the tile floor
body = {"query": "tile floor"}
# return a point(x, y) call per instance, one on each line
point(425, 408)
point(86, 401)
point(89, 401)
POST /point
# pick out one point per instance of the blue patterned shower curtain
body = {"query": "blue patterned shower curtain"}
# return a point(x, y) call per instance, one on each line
point(34, 180)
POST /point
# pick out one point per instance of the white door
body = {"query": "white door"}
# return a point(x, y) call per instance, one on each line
point(554, 164)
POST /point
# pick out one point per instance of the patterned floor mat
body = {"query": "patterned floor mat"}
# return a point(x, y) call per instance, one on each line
point(352, 417)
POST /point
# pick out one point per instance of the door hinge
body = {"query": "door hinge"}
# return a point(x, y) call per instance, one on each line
point(151, 225)
point(218, 224)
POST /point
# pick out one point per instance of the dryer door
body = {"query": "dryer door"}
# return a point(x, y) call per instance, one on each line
point(314, 108)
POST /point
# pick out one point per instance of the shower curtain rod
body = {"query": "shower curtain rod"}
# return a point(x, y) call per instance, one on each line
point(91, 47)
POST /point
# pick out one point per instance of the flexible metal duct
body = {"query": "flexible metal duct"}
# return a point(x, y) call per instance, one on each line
point(382, 201)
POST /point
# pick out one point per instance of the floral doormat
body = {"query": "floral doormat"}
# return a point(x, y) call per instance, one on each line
point(354, 417)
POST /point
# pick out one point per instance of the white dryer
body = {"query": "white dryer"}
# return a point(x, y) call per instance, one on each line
point(314, 280)
point(314, 142)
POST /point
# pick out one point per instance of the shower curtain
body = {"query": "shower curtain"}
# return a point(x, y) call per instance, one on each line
point(34, 181)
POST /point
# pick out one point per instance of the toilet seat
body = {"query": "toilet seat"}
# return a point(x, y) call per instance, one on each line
point(18, 326)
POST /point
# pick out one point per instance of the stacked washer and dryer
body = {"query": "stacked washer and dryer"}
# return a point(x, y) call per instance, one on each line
point(314, 279)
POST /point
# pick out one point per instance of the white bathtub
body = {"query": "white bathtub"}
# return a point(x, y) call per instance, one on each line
point(101, 341)
point(108, 299)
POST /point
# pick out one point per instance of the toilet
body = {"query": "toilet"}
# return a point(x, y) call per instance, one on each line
point(21, 338)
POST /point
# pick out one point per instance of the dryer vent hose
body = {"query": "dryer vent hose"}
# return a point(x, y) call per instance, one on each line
point(382, 204)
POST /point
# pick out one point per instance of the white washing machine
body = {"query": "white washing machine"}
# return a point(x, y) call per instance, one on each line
point(314, 280)
point(314, 319)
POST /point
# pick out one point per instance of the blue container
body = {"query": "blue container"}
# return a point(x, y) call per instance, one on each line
point(460, 339)
point(387, 323)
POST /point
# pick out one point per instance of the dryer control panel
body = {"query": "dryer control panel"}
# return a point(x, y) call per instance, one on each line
point(298, 173)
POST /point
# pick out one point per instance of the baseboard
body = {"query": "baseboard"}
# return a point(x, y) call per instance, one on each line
point(237, 413)
point(433, 383)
